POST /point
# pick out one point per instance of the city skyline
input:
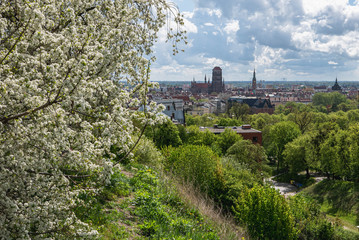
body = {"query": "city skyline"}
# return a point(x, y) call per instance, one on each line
point(299, 40)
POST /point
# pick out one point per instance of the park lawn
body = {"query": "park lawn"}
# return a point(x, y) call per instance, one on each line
point(347, 220)
point(339, 200)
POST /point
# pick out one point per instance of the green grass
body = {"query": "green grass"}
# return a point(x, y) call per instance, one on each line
point(339, 200)
point(139, 205)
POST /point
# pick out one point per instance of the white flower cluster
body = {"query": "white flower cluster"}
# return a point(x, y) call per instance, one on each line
point(62, 107)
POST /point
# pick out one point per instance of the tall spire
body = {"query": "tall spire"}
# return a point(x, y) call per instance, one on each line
point(254, 80)
point(336, 86)
point(205, 78)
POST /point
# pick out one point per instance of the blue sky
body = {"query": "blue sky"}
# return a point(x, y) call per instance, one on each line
point(291, 39)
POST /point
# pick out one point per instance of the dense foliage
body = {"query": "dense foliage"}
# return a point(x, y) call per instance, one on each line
point(266, 213)
point(311, 138)
point(142, 205)
point(63, 111)
point(197, 165)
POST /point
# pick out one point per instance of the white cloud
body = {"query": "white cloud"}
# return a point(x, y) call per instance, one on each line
point(215, 12)
point(214, 62)
point(209, 24)
point(232, 27)
point(189, 26)
point(278, 35)
point(314, 7)
point(188, 14)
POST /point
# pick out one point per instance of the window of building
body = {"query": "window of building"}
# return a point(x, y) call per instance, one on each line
point(255, 139)
point(168, 108)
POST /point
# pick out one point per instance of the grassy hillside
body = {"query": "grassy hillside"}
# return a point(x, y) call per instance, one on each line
point(141, 205)
point(339, 200)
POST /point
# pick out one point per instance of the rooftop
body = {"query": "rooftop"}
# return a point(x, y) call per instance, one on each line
point(238, 129)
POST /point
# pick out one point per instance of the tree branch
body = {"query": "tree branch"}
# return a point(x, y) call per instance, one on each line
point(69, 21)
point(16, 42)
point(5, 120)
point(144, 127)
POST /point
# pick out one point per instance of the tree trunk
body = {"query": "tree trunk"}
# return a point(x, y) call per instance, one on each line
point(308, 174)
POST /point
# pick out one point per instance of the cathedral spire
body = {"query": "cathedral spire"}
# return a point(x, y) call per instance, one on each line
point(336, 86)
point(205, 78)
point(254, 80)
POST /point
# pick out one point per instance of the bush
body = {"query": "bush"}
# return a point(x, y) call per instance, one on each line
point(166, 134)
point(146, 153)
point(308, 220)
point(266, 213)
point(237, 177)
point(198, 165)
point(162, 214)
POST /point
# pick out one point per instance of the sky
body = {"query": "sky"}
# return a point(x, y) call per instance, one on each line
point(293, 40)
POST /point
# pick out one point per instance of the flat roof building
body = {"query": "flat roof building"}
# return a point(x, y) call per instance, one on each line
point(246, 131)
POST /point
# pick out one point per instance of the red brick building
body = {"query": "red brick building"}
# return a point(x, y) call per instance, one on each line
point(246, 131)
point(207, 87)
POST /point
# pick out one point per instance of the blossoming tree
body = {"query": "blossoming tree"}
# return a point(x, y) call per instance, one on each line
point(70, 73)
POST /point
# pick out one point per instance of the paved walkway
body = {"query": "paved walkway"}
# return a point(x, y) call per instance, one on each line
point(287, 189)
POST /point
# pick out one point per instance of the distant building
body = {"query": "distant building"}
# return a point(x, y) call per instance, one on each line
point(321, 88)
point(173, 109)
point(257, 105)
point(246, 131)
point(336, 86)
point(254, 82)
point(217, 80)
point(207, 87)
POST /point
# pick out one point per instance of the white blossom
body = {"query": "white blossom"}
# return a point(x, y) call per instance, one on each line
point(62, 106)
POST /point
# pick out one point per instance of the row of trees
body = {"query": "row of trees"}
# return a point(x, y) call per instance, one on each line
point(300, 137)
point(305, 139)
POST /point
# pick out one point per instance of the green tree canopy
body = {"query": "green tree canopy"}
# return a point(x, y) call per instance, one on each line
point(296, 154)
point(280, 134)
point(165, 134)
point(329, 100)
point(252, 155)
point(227, 139)
point(239, 111)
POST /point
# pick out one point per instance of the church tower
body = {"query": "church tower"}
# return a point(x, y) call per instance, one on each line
point(336, 86)
point(217, 80)
point(254, 81)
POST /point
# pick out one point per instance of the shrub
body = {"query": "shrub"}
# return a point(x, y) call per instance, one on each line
point(198, 165)
point(147, 153)
point(166, 134)
point(266, 213)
